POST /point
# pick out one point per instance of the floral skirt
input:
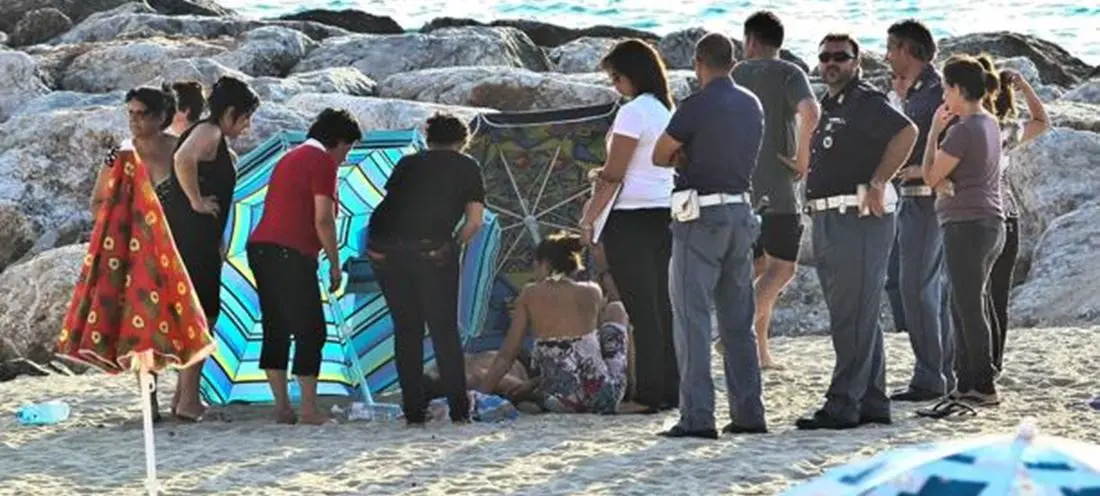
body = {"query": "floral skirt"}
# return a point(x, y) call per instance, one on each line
point(133, 306)
point(586, 374)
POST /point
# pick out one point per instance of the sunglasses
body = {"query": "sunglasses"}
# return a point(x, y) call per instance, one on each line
point(825, 57)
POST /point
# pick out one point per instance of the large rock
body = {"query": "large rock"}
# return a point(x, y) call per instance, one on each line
point(120, 65)
point(189, 7)
point(352, 20)
point(382, 113)
point(58, 100)
point(544, 34)
point(1024, 66)
point(269, 51)
point(34, 298)
point(17, 233)
point(682, 83)
point(582, 54)
point(76, 229)
point(1053, 176)
point(502, 88)
point(125, 26)
point(379, 56)
point(21, 79)
point(1064, 286)
point(12, 11)
point(48, 161)
point(206, 71)
point(1074, 115)
point(345, 80)
point(1087, 92)
point(40, 25)
point(271, 119)
point(1055, 65)
point(678, 49)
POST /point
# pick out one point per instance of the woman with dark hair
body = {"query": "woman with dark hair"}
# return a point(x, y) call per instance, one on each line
point(413, 248)
point(1013, 134)
point(192, 102)
point(196, 197)
point(580, 348)
point(636, 237)
point(971, 214)
point(133, 301)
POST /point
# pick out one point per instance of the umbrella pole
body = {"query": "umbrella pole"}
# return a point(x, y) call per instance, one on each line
point(147, 386)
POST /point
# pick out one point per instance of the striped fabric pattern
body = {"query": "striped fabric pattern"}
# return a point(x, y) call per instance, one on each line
point(233, 374)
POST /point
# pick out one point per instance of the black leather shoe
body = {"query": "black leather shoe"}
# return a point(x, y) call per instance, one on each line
point(875, 419)
point(822, 420)
point(677, 431)
point(915, 395)
point(732, 428)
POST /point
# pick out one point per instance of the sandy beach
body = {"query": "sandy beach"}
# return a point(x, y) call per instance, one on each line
point(1051, 374)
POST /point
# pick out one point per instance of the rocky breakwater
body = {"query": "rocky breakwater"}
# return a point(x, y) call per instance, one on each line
point(61, 88)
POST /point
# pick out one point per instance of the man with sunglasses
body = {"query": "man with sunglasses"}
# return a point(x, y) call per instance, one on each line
point(858, 146)
point(922, 282)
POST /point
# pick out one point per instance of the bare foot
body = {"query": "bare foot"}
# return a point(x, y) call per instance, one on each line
point(190, 413)
point(175, 402)
point(768, 364)
point(285, 416)
point(315, 418)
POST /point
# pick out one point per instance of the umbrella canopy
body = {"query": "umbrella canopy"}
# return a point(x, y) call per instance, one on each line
point(233, 375)
point(1024, 464)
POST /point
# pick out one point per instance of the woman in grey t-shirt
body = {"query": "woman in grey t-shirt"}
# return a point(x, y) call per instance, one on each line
point(971, 214)
point(1014, 132)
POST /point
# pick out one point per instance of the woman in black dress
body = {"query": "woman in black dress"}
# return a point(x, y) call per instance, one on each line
point(196, 199)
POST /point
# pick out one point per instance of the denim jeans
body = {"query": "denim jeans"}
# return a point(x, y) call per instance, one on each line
point(711, 267)
point(971, 247)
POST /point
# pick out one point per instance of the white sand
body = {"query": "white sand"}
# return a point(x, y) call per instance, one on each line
point(1050, 375)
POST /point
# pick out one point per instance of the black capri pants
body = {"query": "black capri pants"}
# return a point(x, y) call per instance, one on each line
point(290, 304)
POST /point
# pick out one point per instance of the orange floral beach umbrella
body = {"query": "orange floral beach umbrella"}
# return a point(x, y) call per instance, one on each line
point(133, 307)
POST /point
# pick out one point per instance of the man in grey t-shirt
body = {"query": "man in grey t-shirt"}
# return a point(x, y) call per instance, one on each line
point(784, 91)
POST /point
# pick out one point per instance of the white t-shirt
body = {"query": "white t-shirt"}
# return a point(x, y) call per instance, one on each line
point(645, 185)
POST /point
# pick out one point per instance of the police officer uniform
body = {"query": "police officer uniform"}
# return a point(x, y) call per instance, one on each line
point(851, 248)
point(922, 279)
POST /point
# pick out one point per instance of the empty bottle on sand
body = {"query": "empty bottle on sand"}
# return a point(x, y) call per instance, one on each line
point(48, 413)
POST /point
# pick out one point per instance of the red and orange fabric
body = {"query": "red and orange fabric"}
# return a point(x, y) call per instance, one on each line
point(133, 306)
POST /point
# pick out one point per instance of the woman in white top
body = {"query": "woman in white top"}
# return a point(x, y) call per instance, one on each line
point(635, 237)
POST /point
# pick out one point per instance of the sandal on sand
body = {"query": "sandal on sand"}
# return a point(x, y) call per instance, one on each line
point(948, 407)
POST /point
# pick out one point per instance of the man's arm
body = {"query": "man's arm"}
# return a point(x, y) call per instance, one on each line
point(323, 186)
point(668, 152)
point(897, 152)
point(475, 202)
point(881, 121)
point(809, 114)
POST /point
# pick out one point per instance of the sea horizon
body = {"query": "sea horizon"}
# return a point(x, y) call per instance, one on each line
point(1071, 26)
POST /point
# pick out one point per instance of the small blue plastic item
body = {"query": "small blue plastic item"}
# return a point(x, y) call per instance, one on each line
point(48, 413)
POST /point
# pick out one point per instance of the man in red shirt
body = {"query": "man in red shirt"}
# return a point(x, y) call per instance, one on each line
point(299, 220)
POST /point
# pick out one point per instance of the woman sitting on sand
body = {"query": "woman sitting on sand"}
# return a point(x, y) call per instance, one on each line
point(580, 346)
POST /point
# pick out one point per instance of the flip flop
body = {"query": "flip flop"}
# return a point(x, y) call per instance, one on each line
point(947, 407)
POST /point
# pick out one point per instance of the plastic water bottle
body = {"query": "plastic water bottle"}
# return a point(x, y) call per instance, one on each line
point(48, 413)
point(384, 412)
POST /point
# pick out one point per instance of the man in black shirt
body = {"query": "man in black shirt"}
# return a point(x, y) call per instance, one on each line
point(858, 146)
point(412, 246)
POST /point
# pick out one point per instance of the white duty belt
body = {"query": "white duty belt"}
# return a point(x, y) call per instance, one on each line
point(723, 199)
point(921, 190)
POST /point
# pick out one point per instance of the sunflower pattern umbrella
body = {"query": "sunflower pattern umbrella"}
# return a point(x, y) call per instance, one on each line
point(1024, 464)
point(233, 375)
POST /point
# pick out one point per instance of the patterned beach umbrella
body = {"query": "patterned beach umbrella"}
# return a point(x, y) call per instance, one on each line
point(233, 374)
point(1024, 464)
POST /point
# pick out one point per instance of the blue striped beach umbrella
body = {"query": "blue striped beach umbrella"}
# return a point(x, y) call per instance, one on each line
point(233, 374)
point(1024, 464)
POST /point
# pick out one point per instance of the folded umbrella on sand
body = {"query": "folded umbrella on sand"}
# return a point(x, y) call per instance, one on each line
point(133, 308)
point(1021, 464)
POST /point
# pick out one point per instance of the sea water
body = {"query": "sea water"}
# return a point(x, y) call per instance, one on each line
point(1072, 24)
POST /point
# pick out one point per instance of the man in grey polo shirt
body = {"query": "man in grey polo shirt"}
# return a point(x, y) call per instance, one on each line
point(714, 139)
